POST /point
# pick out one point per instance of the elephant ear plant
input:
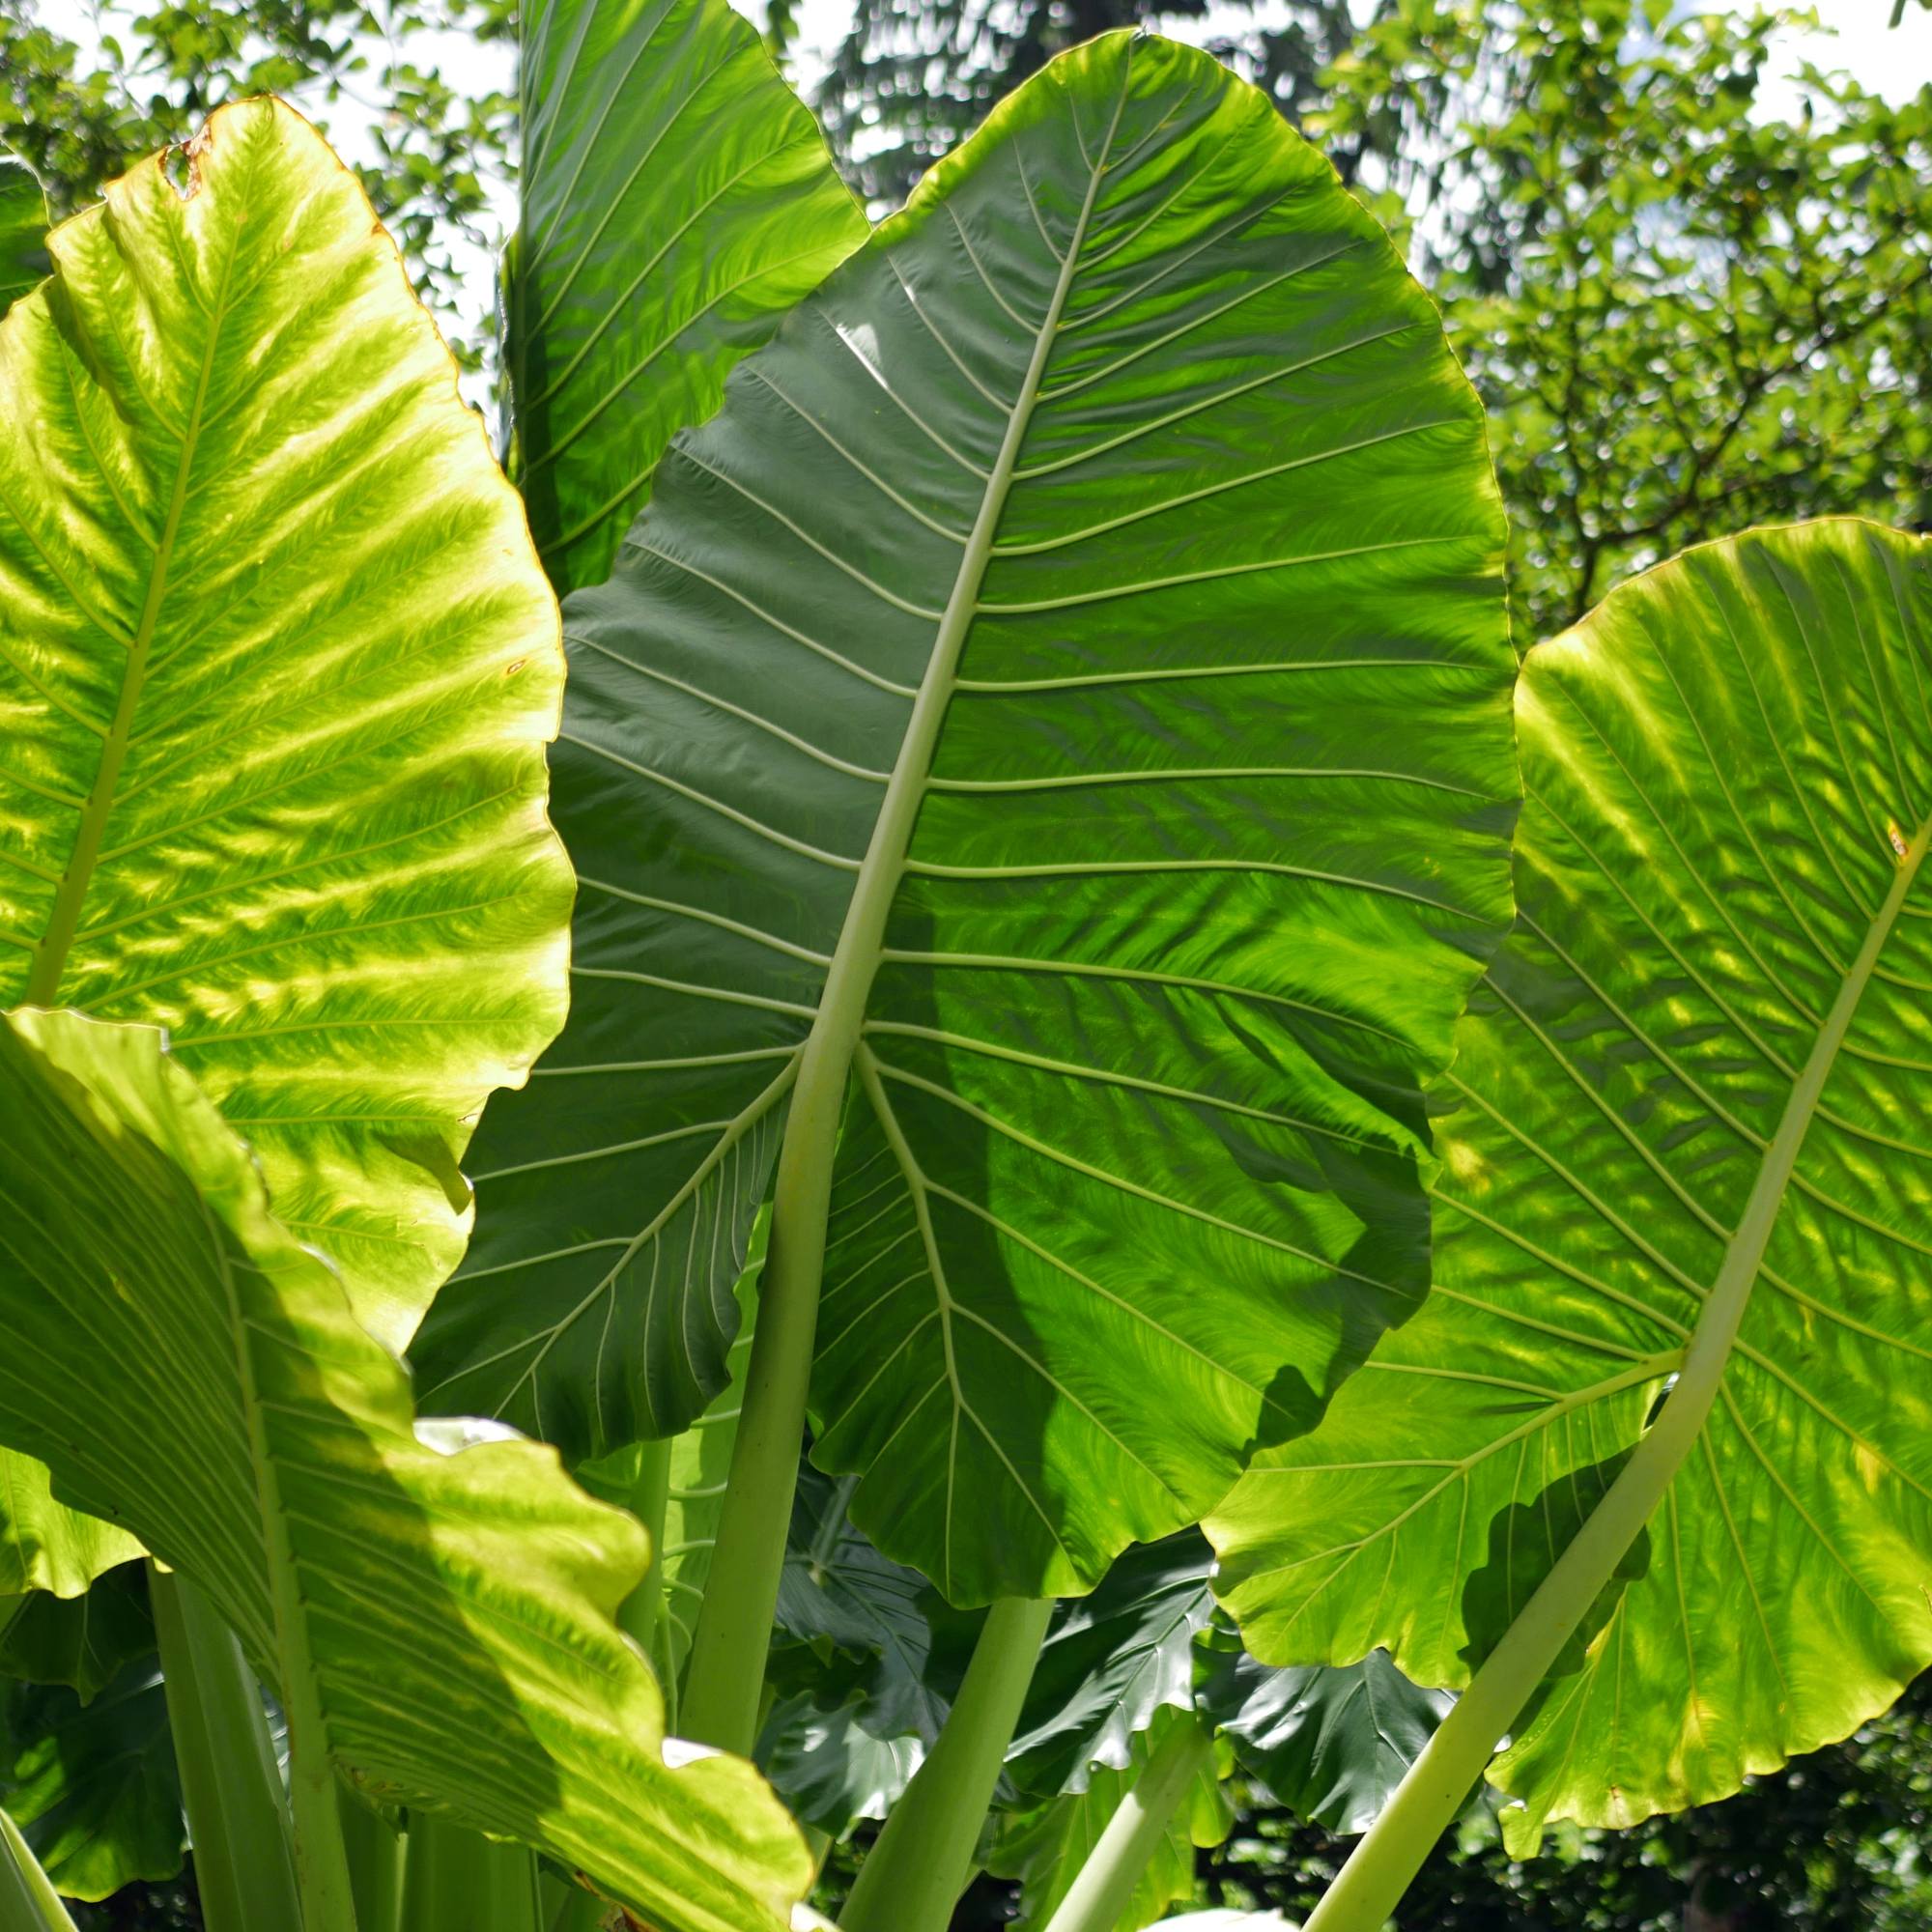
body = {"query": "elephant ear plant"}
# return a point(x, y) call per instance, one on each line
point(1651, 1473)
point(967, 771)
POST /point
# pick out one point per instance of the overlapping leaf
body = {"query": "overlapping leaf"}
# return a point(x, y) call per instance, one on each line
point(1330, 1742)
point(1111, 1662)
point(280, 666)
point(443, 1624)
point(677, 200)
point(869, 1661)
point(701, 1462)
point(1129, 452)
point(91, 1785)
point(81, 1641)
point(43, 1545)
point(1701, 1060)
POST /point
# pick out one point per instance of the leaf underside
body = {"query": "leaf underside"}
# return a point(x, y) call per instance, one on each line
point(1213, 840)
point(449, 1616)
point(1729, 768)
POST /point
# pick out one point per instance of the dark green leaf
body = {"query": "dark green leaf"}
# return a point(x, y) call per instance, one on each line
point(1111, 1662)
point(1131, 445)
point(92, 1786)
point(80, 1641)
point(1330, 1742)
point(23, 230)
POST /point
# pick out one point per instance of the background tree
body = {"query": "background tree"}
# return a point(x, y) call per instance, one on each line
point(1834, 1842)
point(1693, 298)
point(78, 110)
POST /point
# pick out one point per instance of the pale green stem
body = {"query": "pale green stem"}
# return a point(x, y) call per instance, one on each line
point(378, 1856)
point(321, 1858)
point(726, 1671)
point(459, 1880)
point(1100, 1895)
point(922, 1861)
point(231, 1788)
point(28, 1901)
point(1383, 1866)
point(646, 1502)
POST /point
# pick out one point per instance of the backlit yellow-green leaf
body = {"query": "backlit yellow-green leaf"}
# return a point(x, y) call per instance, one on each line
point(1704, 1049)
point(439, 1626)
point(277, 668)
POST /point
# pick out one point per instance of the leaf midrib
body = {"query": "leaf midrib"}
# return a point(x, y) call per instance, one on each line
point(51, 955)
point(859, 950)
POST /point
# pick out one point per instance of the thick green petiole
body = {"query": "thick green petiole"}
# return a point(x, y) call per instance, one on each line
point(1383, 1866)
point(459, 1880)
point(913, 1876)
point(28, 1901)
point(1097, 1899)
point(230, 1785)
point(649, 1494)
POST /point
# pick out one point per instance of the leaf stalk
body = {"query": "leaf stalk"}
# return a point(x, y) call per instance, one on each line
point(1100, 1896)
point(231, 1788)
point(28, 1901)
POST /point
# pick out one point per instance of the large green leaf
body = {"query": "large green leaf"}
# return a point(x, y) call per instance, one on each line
point(1119, 515)
point(93, 1785)
point(277, 673)
point(439, 1626)
point(1693, 1079)
point(677, 200)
